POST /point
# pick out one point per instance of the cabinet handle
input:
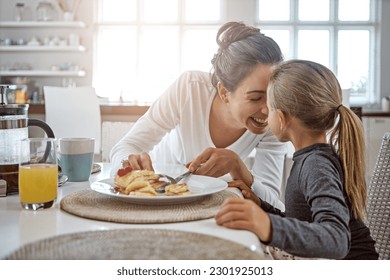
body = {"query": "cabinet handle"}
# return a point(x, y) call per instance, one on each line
point(379, 121)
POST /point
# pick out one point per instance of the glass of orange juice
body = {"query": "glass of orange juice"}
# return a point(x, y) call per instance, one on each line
point(38, 173)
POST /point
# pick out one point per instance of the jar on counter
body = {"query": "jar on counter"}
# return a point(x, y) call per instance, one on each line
point(21, 95)
point(386, 104)
point(19, 11)
point(45, 11)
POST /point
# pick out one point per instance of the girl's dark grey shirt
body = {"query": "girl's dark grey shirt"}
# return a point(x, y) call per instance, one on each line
point(318, 222)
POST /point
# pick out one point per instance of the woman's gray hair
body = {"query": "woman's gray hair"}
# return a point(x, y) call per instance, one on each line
point(241, 48)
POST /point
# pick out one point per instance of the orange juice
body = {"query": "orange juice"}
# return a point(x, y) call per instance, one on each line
point(38, 183)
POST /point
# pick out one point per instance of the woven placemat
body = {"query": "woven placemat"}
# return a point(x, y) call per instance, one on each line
point(133, 244)
point(93, 205)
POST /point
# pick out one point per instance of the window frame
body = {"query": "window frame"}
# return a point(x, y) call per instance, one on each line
point(334, 26)
point(248, 12)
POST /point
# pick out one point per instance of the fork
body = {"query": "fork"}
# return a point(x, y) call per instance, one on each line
point(176, 180)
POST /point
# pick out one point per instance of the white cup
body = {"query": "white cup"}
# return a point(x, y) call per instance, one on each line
point(386, 104)
point(74, 39)
point(346, 94)
point(68, 16)
point(63, 43)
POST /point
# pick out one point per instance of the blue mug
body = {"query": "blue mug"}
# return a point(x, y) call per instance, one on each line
point(75, 157)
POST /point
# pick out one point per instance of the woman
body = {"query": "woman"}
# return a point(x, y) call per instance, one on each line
point(326, 189)
point(213, 122)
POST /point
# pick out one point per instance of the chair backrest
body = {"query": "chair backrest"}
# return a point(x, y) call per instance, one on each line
point(73, 112)
point(378, 200)
point(112, 132)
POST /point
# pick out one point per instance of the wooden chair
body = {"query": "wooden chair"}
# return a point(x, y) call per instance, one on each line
point(378, 200)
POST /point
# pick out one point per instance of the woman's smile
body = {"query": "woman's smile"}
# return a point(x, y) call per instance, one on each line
point(257, 125)
point(260, 121)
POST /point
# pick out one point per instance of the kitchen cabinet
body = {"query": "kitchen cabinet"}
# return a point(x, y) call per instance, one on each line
point(374, 128)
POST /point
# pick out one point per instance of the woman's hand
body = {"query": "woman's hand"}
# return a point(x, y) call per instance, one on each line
point(216, 162)
point(240, 213)
point(245, 190)
point(140, 161)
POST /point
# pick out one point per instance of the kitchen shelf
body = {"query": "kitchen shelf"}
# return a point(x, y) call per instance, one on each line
point(48, 24)
point(43, 73)
point(39, 69)
point(42, 49)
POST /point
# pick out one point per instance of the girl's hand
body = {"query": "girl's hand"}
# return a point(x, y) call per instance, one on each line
point(140, 161)
point(240, 213)
point(245, 190)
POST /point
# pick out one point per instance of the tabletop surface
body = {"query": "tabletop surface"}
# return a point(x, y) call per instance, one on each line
point(19, 227)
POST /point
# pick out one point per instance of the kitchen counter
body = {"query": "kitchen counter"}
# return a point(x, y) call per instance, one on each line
point(105, 108)
point(375, 114)
point(117, 108)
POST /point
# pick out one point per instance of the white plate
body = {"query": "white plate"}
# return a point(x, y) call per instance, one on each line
point(199, 186)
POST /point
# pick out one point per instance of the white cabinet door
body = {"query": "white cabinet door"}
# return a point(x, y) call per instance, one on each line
point(375, 128)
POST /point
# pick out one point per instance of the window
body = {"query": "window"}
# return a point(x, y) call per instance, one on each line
point(332, 33)
point(143, 45)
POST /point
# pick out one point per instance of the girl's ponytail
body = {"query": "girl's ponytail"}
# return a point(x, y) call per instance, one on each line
point(347, 138)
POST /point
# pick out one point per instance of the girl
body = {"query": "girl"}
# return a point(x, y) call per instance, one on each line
point(326, 192)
